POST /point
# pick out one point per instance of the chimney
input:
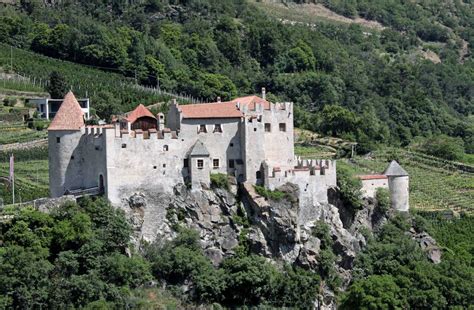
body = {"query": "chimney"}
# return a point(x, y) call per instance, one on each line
point(218, 99)
point(264, 95)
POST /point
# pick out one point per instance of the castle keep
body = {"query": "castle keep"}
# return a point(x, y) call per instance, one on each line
point(248, 137)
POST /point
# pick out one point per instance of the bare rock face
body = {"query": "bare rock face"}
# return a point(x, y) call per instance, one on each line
point(428, 245)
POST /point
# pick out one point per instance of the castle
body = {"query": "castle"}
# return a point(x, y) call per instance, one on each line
point(248, 137)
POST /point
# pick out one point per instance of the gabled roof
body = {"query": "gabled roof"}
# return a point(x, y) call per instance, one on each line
point(140, 111)
point(251, 102)
point(198, 149)
point(394, 169)
point(69, 115)
point(211, 110)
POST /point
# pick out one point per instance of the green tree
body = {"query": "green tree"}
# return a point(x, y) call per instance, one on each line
point(375, 292)
point(57, 86)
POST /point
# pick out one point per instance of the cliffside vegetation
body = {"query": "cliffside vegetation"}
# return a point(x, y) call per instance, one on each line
point(348, 82)
point(76, 256)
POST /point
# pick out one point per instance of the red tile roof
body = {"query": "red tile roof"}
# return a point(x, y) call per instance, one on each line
point(372, 177)
point(211, 110)
point(226, 109)
point(251, 101)
point(140, 111)
point(69, 115)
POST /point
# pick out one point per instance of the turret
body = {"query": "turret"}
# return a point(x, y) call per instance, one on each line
point(398, 181)
point(64, 136)
point(160, 117)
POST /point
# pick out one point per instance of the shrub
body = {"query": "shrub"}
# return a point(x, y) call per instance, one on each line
point(349, 187)
point(219, 180)
point(269, 194)
point(383, 199)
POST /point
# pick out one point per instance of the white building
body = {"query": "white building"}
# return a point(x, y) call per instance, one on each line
point(248, 137)
point(47, 108)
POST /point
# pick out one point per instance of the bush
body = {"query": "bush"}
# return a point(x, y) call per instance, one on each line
point(349, 187)
point(383, 199)
point(269, 194)
point(219, 180)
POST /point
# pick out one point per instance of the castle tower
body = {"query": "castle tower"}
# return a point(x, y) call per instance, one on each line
point(398, 185)
point(64, 135)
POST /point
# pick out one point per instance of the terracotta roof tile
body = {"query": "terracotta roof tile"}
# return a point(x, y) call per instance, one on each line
point(69, 115)
point(211, 110)
point(140, 111)
point(251, 101)
point(372, 177)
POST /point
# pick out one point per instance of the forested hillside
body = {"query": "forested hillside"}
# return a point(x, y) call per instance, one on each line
point(347, 81)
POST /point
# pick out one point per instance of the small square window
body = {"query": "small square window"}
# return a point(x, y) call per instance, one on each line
point(282, 127)
point(72, 157)
point(231, 145)
point(97, 148)
point(154, 167)
point(124, 145)
point(202, 128)
point(165, 148)
point(58, 140)
point(215, 163)
point(255, 129)
point(268, 127)
point(217, 128)
point(164, 165)
point(200, 164)
point(231, 163)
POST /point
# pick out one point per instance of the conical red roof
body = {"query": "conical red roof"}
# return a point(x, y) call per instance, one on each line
point(69, 115)
point(140, 111)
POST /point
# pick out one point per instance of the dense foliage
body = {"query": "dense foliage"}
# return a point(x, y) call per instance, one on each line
point(365, 86)
point(69, 258)
point(244, 279)
point(393, 271)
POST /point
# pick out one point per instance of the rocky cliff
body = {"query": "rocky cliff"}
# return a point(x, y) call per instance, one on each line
point(281, 230)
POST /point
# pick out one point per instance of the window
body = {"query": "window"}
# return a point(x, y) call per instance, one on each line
point(200, 164)
point(124, 145)
point(268, 127)
point(215, 163)
point(161, 116)
point(165, 148)
point(164, 165)
point(217, 128)
point(231, 163)
point(72, 157)
point(258, 174)
point(202, 128)
point(231, 145)
point(186, 163)
point(154, 167)
point(58, 140)
point(255, 129)
point(282, 127)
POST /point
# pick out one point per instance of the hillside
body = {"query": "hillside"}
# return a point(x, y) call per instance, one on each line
point(388, 92)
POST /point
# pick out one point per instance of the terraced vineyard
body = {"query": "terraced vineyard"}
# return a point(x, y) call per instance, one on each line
point(19, 132)
point(31, 175)
point(434, 184)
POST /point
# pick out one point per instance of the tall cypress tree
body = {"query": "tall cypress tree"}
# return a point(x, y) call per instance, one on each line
point(57, 86)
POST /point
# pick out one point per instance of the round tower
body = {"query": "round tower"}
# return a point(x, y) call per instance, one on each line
point(398, 182)
point(64, 136)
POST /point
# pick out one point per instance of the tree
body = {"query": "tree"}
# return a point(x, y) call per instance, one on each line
point(338, 121)
point(445, 147)
point(375, 292)
point(57, 87)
